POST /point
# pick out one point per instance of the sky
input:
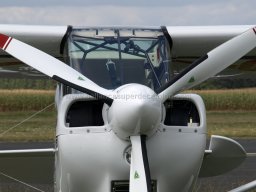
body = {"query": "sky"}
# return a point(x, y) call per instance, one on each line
point(128, 12)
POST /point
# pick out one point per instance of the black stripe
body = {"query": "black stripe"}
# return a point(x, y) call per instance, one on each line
point(167, 36)
point(145, 162)
point(64, 39)
point(254, 29)
point(99, 96)
point(182, 73)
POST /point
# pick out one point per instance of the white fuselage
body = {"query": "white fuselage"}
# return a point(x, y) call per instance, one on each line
point(91, 158)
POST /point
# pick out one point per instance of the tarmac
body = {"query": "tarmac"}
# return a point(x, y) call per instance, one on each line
point(243, 174)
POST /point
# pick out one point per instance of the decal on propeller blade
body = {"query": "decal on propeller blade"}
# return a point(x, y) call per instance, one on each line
point(136, 175)
point(191, 80)
point(80, 78)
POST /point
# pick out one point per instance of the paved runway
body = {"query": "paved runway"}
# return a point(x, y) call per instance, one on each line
point(244, 174)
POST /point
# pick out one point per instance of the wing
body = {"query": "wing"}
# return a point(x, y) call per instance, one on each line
point(28, 165)
point(195, 41)
point(191, 42)
point(46, 38)
point(188, 43)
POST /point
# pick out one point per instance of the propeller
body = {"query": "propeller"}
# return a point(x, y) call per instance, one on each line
point(53, 68)
point(134, 118)
point(210, 64)
point(140, 179)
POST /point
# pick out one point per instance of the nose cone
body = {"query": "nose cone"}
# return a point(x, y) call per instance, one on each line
point(136, 110)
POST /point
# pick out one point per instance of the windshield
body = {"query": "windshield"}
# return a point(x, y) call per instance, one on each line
point(114, 57)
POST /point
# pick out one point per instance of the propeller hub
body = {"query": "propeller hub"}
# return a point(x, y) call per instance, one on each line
point(136, 110)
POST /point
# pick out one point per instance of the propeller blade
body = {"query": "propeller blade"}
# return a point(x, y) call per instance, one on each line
point(210, 64)
point(140, 179)
point(53, 68)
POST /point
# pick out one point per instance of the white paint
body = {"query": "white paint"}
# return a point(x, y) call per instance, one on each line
point(137, 110)
point(218, 59)
point(138, 181)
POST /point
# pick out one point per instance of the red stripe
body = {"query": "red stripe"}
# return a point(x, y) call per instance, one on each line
point(8, 42)
point(3, 40)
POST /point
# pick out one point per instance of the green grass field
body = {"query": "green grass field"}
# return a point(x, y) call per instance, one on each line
point(232, 123)
point(215, 100)
point(229, 113)
point(226, 100)
point(42, 127)
point(25, 100)
point(39, 128)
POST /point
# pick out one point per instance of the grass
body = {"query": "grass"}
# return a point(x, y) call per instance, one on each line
point(39, 128)
point(42, 127)
point(226, 100)
point(232, 123)
point(215, 100)
point(26, 83)
point(230, 113)
point(25, 100)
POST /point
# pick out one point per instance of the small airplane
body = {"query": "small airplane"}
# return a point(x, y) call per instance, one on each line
point(122, 123)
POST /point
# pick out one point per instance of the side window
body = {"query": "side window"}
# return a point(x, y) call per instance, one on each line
point(181, 113)
point(85, 113)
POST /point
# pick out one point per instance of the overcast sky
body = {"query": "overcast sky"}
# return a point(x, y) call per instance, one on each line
point(128, 12)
